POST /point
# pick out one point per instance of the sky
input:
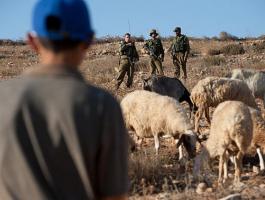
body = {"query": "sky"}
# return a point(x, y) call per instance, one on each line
point(198, 18)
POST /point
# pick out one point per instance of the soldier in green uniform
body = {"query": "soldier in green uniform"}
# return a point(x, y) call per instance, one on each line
point(180, 50)
point(128, 57)
point(155, 49)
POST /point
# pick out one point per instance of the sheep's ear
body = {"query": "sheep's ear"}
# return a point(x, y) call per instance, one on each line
point(180, 141)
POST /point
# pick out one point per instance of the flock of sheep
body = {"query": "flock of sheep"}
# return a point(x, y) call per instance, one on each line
point(237, 126)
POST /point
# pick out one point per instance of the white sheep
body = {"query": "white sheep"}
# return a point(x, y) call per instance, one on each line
point(211, 91)
point(258, 140)
point(230, 135)
point(151, 115)
point(254, 79)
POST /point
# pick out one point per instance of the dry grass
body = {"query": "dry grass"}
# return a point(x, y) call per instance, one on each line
point(151, 174)
point(213, 52)
point(163, 176)
point(233, 49)
point(260, 47)
point(213, 61)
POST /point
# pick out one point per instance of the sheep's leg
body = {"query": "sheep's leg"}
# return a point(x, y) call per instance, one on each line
point(232, 159)
point(207, 116)
point(221, 165)
point(225, 169)
point(156, 143)
point(180, 152)
point(238, 166)
point(261, 160)
point(198, 116)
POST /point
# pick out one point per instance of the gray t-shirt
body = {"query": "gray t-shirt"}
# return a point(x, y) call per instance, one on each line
point(60, 138)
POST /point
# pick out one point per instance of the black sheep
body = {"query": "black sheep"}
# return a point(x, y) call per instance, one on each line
point(171, 87)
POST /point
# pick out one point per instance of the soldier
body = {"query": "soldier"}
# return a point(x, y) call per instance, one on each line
point(155, 49)
point(128, 57)
point(180, 50)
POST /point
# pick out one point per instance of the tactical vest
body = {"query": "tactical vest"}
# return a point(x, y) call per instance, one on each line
point(154, 47)
point(129, 51)
point(179, 44)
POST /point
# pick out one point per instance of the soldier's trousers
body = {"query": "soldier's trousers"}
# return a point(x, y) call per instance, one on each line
point(156, 65)
point(126, 67)
point(179, 61)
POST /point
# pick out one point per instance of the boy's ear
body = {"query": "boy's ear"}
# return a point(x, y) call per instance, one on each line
point(33, 42)
point(85, 45)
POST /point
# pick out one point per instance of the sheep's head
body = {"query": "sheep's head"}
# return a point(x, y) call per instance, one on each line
point(189, 140)
point(147, 84)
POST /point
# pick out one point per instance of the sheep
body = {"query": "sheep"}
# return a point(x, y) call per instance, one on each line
point(151, 115)
point(230, 134)
point(171, 87)
point(254, 79)
point(211, 91)
point(258, 140)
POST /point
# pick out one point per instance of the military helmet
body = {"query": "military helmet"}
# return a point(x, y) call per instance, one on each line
point(153, 31)
point(177, 29)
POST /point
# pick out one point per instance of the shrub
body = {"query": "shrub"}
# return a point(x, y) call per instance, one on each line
point(260, 47)
point(213, 61)
point(12, 42)
point(213, 52)
point(227, 36)
point(215, 38)
point(111, 39)
point(262, 37)
point(233, 49)
point(138, 38)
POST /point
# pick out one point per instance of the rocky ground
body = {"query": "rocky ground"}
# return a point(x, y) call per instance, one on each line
point(163, 176)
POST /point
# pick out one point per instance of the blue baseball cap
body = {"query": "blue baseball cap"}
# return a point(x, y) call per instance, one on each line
point(61, 20)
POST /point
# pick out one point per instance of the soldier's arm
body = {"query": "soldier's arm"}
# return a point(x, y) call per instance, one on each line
point(171, 49)
point(161, 48)
point(187, 52)
point(187, 45)
point(123, 47)
point(136, 55)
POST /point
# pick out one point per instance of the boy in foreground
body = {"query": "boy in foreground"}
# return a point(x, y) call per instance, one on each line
point(60, 138)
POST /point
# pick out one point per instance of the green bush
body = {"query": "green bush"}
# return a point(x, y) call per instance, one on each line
point(233, 49)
